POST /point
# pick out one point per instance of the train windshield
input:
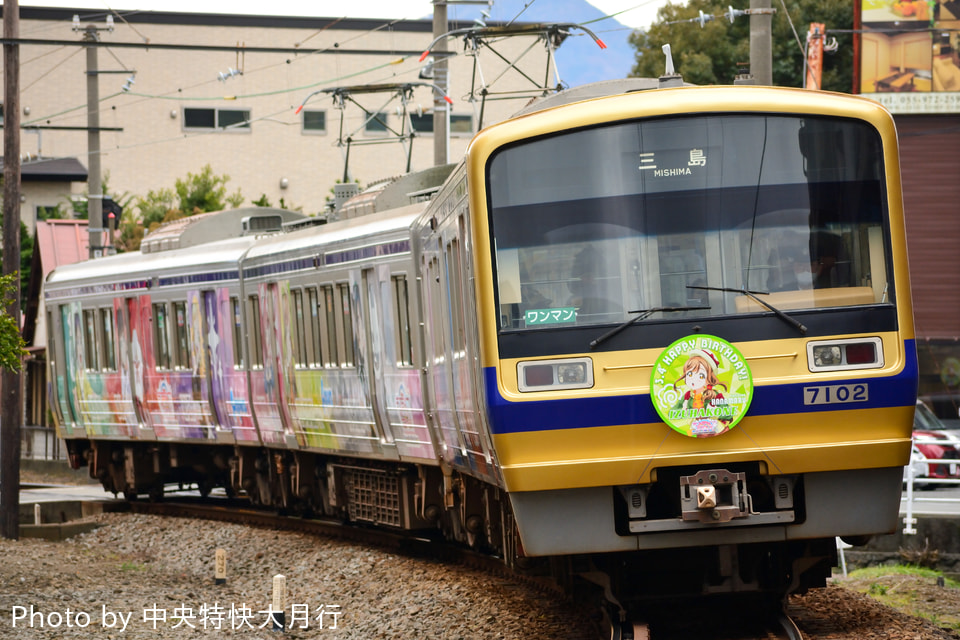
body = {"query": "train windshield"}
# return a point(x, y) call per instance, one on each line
point(593, 225)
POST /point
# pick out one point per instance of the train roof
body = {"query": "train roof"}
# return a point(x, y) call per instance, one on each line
point(147, 265)
point(202, 228)
point(340, 232)
point(588, 92)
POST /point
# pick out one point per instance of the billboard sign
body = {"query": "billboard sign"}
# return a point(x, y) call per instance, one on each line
point(910, 54)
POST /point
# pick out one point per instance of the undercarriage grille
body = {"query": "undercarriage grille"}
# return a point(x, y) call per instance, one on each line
point(373, 496)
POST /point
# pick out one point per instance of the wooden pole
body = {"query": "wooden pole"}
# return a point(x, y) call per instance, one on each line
point(11, 389)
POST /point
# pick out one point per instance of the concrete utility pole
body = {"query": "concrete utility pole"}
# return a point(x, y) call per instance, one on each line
point(761, 51)
point(94, 185)
point(441, 112)
point(11, 412)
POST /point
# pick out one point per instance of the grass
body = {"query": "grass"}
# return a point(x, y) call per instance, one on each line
point(917, 591)
point(901, 570)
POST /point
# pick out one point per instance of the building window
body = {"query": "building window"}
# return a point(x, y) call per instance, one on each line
point(314, 121)
point(195, 118)
point(48, 211)
point(459, 125)
point(377, 125)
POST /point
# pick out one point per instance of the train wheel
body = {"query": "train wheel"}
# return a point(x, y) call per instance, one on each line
point(155, 493)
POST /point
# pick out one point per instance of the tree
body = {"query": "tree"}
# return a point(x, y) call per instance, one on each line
point(205, 192)
point(26, 261)
point(11, 342)
point(709, 55)
point(197, 193)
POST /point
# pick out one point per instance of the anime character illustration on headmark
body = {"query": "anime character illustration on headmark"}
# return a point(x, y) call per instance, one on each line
point(701, 386)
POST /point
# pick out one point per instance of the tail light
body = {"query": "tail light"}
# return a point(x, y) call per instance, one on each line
point(845, 355)
point(552, 375)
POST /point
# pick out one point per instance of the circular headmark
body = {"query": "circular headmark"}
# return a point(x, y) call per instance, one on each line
point(701, 386)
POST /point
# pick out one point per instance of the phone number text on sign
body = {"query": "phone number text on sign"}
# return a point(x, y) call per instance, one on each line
point(835, 394)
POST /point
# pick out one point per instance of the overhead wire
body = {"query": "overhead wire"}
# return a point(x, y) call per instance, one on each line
point(307, 55)
point(50, 70)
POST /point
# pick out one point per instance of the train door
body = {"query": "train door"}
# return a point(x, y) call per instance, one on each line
point(439, 378)
point(62, 368)
point(55, 369)
point(376, 284)
point(141, 360)
point(273, 412)
point(462, 366)
point(216, 345)
point(75, 356)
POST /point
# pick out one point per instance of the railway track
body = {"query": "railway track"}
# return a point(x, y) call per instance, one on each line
point(238, 512)
point(707, 623)
point(738, 619)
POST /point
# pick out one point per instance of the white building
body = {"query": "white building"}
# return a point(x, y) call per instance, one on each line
point(179, 91)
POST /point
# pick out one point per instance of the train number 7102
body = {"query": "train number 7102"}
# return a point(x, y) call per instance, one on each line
point(834, 394)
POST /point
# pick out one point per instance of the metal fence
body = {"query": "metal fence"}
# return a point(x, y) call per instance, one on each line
point(919, 487)
point(41, 443)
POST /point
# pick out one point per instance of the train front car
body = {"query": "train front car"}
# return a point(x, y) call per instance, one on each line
point(696, 332)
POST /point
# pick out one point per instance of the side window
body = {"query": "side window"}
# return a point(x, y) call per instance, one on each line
point(436, 317)
point(256, 347)
point(330, 323)
point(108, 343)
point(161, 339)
point(347, 355)
point(90, 351)
point(181, 335)
point(299, 328)
point(237, 333)
point(456, 297)
point(315, 332)
point(401, 303)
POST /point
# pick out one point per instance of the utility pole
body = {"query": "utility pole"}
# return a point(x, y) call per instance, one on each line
point(761, 56)
point(11, 389)
point(441, 113)
point(94, 185)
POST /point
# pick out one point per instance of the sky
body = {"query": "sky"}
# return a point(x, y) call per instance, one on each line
point(637, 14)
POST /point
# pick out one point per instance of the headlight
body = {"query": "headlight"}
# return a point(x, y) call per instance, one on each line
point(552, 375)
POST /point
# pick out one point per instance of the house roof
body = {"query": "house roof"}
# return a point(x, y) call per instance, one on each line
point(58, 242)
point(53, 170)
point(61, 242)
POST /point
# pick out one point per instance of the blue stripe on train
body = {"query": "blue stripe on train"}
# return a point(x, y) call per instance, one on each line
point(514, 417)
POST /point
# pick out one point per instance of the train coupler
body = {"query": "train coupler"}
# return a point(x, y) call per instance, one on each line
point(714, 495)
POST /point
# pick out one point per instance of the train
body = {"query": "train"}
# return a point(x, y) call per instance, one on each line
point(656, 337)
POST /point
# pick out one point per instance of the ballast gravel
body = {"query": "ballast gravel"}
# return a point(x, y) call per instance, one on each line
point(139, 577)
point(146, 577)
